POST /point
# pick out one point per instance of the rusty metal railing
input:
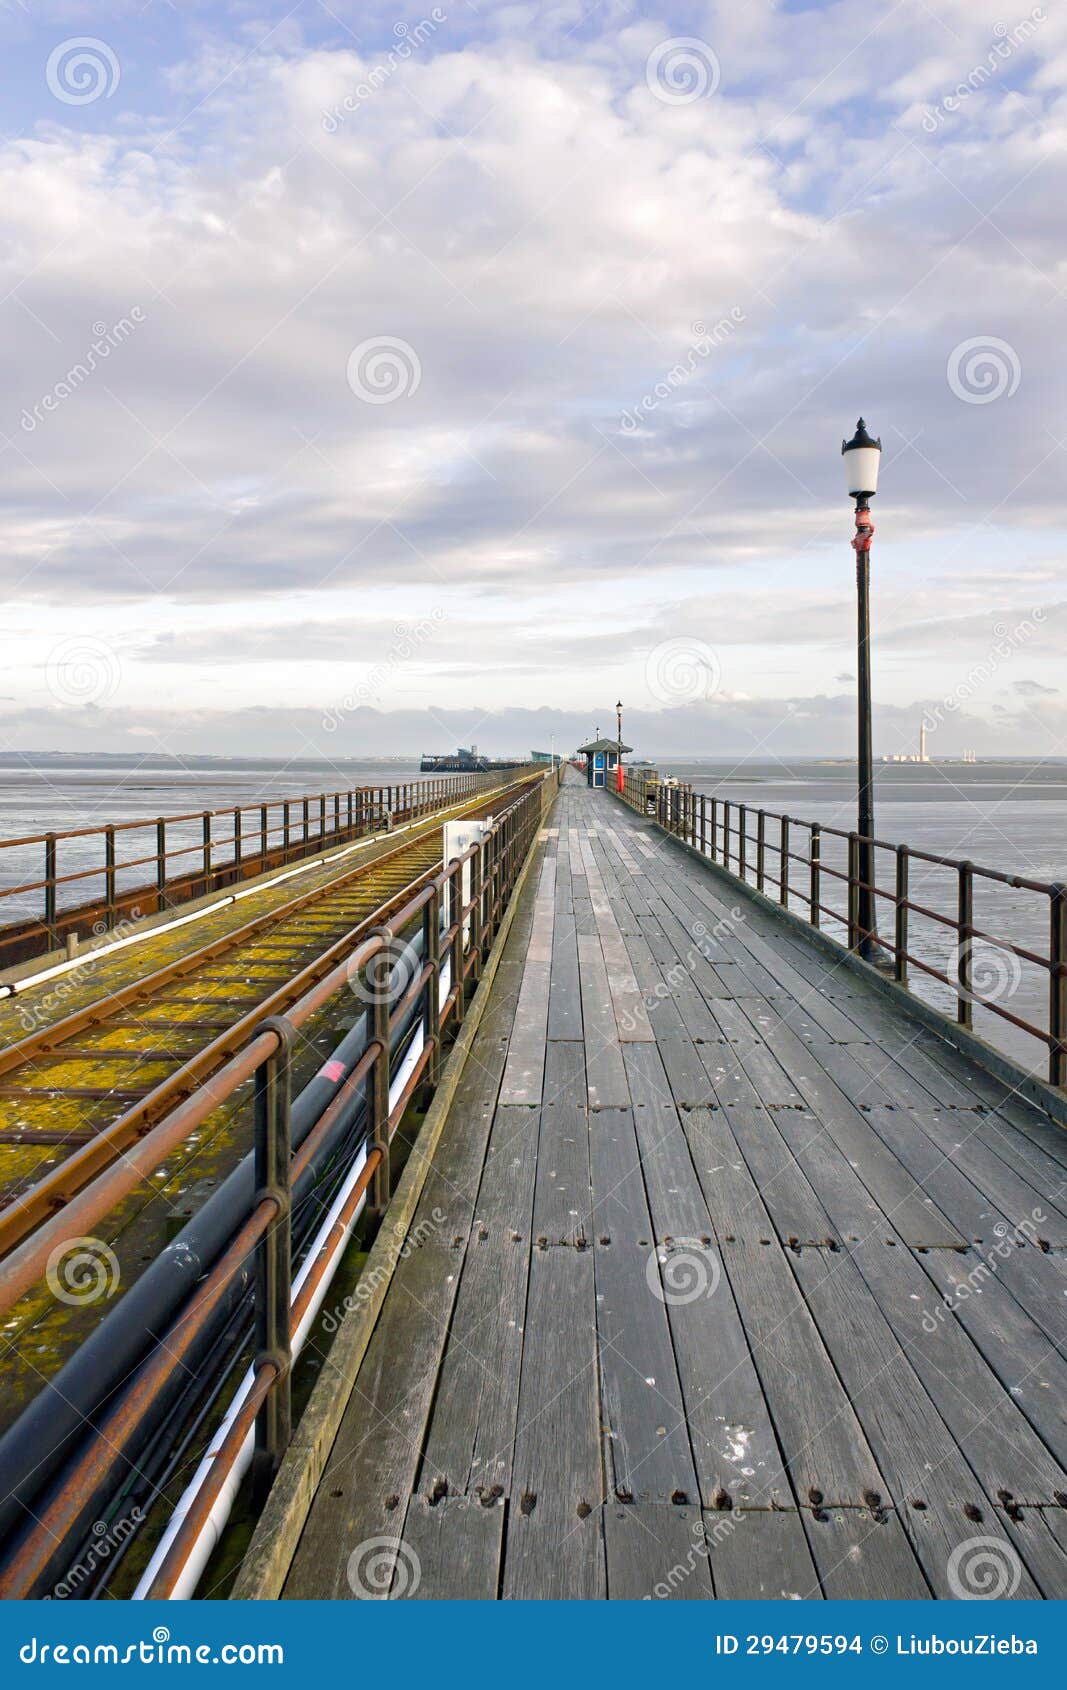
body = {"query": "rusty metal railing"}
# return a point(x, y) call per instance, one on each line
point(786, 858)
point(457, 911)
point(226, 846)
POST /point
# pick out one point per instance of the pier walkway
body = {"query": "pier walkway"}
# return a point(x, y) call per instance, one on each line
point(727, 1278)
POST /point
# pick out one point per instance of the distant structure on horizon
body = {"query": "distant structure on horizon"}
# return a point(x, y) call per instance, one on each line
point(920, 756)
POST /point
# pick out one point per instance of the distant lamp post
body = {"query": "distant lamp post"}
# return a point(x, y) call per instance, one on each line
point(861, 456)
point(618, 720)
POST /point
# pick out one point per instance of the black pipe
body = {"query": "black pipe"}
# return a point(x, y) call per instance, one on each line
point(35, 1446)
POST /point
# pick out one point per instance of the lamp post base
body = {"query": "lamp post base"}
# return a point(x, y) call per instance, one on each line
point(871, 950)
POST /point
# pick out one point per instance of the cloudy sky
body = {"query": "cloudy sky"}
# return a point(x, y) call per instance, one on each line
point(380, 375)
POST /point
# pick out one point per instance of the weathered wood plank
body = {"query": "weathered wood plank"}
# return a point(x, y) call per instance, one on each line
point(555, 1547)
point(451, 1551)
point(656, 1552)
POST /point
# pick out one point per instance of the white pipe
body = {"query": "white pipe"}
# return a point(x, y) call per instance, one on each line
point(12, 988)
point(210, 1533)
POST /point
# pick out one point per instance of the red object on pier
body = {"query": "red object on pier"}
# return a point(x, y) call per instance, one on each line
point(619, 775)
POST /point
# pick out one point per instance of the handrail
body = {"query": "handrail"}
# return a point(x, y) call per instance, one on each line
point(709, 824)
point(264, 834)
point(459, 908)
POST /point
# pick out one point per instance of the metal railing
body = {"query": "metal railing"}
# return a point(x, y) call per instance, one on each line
point(141, 870)
point(798, 862)
point(447, 923)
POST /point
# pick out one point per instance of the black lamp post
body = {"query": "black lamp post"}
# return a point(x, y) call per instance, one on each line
point(861, 457)
point(618, 719)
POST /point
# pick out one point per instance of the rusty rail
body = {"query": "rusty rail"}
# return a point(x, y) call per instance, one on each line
point(230, 844)
point(462, 905)
point(727, 832)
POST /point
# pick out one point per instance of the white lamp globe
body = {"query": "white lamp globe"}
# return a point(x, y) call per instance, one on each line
point(861, 455)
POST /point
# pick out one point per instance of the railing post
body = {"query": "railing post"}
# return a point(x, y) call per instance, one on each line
point(322, 819)
point(285, 826)
point(761, 849)
point(475, 940)
point(50, 889)
point(726, 835)
point(964, 926)
point(742, 841)
point(814, 911)
point(273, 1261)
point(205, 827)
point(853, 891)
point(431, 948)
point(455, 921)
point(237, 842)
point(714, 829)
point(161, 864)
point(1057, 986)
point(783, 872)
point(307, 822)
point(379, 979)
point(900, 934)
point(263, 831)
point(109, 875)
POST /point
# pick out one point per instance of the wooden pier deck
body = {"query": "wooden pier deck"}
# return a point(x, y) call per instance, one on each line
point(728, 1279)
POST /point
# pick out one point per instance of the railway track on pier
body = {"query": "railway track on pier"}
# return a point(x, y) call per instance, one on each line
point(143, 1028)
